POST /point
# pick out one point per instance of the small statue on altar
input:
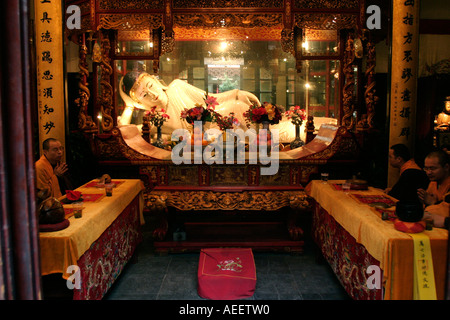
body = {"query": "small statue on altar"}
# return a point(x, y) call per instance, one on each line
point(310, 124)
point(443, 119)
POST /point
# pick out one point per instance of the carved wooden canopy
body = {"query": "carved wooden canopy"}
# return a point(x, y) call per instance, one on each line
point(197, 17)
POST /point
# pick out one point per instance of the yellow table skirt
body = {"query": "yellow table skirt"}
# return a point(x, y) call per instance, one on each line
point(63, 248)
point(392, 248)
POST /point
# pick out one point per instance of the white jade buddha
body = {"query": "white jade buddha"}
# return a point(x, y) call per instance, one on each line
point(145, 91)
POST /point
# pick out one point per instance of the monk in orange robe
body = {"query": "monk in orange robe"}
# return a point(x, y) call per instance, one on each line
point(49, 167)
point(437, 168)
point(412, 177)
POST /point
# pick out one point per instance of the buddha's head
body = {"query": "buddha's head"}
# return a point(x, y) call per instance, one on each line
point(148, 91)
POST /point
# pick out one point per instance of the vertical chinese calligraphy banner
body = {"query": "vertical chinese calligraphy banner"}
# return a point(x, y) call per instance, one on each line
point(404, 65)
point(50, 74)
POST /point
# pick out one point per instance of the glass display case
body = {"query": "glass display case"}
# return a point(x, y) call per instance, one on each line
point(260, 67)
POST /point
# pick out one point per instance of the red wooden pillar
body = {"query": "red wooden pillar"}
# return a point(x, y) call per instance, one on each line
point(20, 273)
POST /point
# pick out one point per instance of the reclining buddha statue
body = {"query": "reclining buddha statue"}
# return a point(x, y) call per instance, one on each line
point(145, 91)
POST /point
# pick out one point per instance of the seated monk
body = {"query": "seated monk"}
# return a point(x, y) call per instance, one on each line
point(437, 168)
point(144, 91)
point(412, 177)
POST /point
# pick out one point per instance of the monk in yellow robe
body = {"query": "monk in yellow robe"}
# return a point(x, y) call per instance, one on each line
point(437, 168)
point(49, 167)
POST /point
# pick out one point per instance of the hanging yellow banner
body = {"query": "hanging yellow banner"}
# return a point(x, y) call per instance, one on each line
point(404, 65)
point(49, 64)
point(424, 281)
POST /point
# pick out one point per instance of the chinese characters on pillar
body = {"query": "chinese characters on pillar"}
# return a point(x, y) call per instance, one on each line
point(404, 70)
point(50, 80)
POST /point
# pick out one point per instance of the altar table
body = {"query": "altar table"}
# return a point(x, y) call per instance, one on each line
point(101, 242)
point(352, 236)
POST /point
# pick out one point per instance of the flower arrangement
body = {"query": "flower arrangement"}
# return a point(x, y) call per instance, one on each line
point(266, 112)
point(227, 122)
point(296, 114)
point(156, 118)
point(200, 113)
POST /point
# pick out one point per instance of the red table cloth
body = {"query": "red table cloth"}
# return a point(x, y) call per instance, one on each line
point(226, 273)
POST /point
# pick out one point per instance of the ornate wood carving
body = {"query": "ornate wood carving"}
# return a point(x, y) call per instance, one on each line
point(85, 122)
point(287, 41)
point(288, 14)
point(253, 175)
point(191, 4)
point(281, 178)
point(348, 120)
point(326, 4)
point(287, 34)
point(158, 202)
point(204, 175)
point(325, 21)
point(306, 171)
point(369, 94)
point(242, 34)
point(168, 36)
point(228, 20)
point(114, 148)
point(228, 175)
point(210, 200)
point(132, 21)
point(106, 92)
point(130, 4)
point(167, 41)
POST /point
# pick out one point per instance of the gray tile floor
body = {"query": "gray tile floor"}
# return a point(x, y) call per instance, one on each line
point(280, 276)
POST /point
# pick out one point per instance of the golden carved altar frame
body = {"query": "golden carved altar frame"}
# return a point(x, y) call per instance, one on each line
point(221, 187)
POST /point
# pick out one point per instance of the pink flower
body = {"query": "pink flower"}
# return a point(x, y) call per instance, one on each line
point(296, 115)
point(211, 102)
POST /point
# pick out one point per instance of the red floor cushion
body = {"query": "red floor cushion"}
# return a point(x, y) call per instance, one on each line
point(226, 273)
